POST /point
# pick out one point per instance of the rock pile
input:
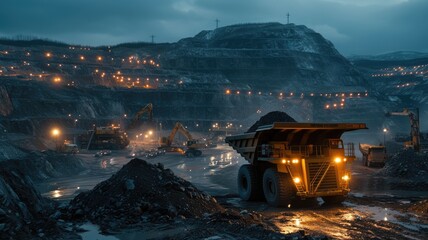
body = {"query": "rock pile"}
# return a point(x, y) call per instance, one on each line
point(141, 192)
point(409, 166)
point(270, 118)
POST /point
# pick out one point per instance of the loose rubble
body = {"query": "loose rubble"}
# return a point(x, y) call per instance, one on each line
point(409, 169)
point(270, 118)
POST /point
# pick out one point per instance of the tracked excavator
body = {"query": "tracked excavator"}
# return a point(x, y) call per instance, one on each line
point(413, 114)
point(136, 121)
point(192, 144)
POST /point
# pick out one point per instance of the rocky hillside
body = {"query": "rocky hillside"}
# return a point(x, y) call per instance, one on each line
point(266, 56)
point(229, 75)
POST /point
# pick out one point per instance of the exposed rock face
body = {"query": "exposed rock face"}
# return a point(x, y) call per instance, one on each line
point(265, 55)
point(22, 209)
point(6, 106)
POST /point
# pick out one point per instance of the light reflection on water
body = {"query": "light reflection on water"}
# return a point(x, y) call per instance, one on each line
point(56, 193)
point(224, 160)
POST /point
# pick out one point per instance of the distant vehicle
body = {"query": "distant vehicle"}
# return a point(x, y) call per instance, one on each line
point(102, 153)
point(288, 161)
point(415, 138)
point(69, 148)
point(373, 155)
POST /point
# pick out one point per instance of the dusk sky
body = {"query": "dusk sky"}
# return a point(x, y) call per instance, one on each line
point(354, 26)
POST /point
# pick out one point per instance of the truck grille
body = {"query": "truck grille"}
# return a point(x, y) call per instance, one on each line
point(330, 180)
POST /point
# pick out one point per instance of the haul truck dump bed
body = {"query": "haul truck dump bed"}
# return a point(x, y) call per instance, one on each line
point(290, 160)
point(373, 154)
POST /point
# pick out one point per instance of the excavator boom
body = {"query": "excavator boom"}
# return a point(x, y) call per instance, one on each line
point(178, 128)
point(192, 150)
point(137, 118)
point(413, 115)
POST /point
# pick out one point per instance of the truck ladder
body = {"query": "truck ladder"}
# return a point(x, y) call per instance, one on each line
point(300, 187)
point(325, 166)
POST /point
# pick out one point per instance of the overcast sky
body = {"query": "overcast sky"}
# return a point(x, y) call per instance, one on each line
point(354, 26)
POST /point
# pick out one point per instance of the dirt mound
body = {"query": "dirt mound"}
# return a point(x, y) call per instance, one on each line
point(270, 118)
point(141, 191)
point(410, 169)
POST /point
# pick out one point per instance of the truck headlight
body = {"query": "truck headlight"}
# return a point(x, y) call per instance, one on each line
point(295, 161)
point(338, 160)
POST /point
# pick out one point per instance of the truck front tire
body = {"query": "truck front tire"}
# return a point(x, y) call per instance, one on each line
point(249, 184)
point(278, 188)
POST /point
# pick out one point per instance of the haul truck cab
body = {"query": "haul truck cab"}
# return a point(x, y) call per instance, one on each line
point(294, 160)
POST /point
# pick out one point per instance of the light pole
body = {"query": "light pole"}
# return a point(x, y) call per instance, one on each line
point(55, 134)
point(384, 134)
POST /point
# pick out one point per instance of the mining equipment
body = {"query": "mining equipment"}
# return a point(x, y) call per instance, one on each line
point(68, 147)
point(191, 144)
point(110, 137)
point(373, 154)
point(413, 114)
point(136, 121)
point(289, 161)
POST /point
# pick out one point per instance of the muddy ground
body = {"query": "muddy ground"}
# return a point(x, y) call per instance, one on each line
point(375, 209)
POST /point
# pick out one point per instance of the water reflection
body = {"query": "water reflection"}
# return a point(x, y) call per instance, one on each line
point(224, 160)
point(56, 193)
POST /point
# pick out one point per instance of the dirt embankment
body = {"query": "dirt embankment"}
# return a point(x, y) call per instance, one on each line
point(39, 166)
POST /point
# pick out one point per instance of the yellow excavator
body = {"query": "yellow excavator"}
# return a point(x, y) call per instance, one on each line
point(192, 144)
point(136, 121)
point(413, 114)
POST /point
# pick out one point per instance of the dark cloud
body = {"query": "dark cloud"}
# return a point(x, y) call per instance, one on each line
point(355, 27)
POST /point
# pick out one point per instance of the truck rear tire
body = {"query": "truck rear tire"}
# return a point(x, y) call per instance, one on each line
point(249, 183)
point(278, 189)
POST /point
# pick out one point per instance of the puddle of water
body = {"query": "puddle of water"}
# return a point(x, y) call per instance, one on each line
point(92, 233)
point(386, 214)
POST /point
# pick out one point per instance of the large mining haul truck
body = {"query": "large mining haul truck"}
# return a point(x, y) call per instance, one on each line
point(288, 161)
point(110, 137)
point(373, 154)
